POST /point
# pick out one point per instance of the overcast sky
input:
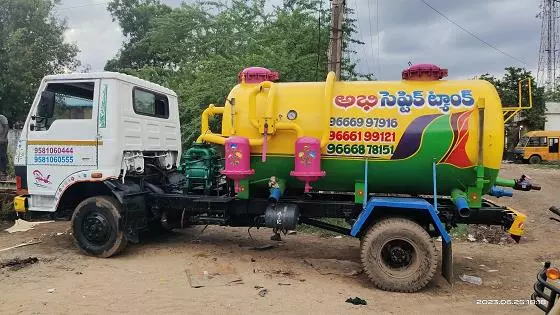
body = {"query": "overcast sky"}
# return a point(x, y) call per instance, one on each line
point(406, 30)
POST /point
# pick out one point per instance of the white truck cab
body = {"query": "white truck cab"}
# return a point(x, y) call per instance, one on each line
point(85, 128)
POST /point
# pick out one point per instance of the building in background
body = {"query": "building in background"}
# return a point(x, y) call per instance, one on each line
point(552, 115)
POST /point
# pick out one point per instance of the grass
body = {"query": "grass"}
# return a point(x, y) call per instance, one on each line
point(6, 207)
point(10, 168)
point(304, 228)
point(459, 232)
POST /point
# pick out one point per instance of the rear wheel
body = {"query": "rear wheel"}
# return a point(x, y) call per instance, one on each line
point(398, 255)
point(95, 226)
point(535, 159)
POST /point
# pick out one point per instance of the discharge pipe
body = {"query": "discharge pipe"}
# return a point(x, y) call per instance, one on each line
point(500, 192)
point(277, 187)
point(523, 183)
point(459, 198)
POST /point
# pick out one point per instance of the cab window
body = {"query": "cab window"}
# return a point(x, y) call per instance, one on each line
point(150, 104)
point(537, 142)
point(73, 100)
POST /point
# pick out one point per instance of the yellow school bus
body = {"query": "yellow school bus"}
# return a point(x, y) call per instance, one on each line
point(536, 146)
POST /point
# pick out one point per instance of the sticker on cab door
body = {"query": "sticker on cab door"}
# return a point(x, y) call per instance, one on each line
point(83, 155)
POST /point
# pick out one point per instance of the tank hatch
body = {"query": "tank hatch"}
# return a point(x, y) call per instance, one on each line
point(257, 75)
point(424, 72)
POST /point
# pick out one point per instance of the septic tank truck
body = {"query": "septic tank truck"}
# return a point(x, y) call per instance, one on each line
point(402, 162)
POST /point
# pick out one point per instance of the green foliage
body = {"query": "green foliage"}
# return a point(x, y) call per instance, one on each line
point(31, 46)
point(198, 49)
point(507, 88)
point(10, 169)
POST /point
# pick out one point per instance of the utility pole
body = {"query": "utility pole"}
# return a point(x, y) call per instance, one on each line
point(335, 46)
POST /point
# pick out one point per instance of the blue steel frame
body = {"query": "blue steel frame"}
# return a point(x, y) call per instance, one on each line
point(402, 203)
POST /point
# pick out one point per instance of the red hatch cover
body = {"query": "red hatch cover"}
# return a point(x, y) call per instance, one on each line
point(257, 75)
point(424, 72)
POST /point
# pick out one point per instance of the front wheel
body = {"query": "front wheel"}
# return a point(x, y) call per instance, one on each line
point(398, 255)
point(95, 226)
point(535, 159)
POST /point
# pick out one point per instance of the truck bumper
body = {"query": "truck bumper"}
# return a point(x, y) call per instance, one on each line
point(20, 204)
point(547, 290)
point(518, 226)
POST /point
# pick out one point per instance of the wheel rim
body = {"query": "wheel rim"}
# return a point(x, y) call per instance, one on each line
point(398, 257)
point(96, 228)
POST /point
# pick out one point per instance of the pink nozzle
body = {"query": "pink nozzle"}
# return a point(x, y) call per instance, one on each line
point(237, 159)
point(307, 161)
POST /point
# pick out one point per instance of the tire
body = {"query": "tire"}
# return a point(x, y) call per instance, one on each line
point(95, 226)
point(535, 159)
point(417, 256)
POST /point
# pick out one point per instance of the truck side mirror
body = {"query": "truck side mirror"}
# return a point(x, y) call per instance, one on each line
point(45, 108)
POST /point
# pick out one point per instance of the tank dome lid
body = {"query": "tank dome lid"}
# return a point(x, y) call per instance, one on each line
point(424, 72)
point(257, 75)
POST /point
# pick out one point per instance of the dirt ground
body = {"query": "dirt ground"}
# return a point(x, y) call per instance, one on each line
point(304, 274)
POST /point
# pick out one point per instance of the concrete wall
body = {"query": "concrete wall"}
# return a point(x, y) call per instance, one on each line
point(13, 137)
point(552, 115)
point(552, 122)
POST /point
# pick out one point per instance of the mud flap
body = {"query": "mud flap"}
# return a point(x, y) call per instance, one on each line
point(133, 208)
point(447, 261)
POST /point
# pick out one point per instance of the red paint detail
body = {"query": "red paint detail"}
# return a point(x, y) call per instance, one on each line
point(39, 178)
point(458, 154)
point(365, 102)
point(344, 101)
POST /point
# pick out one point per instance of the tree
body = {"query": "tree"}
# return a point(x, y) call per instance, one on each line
point(508, 89)
point(31, 46)
point(198, 49)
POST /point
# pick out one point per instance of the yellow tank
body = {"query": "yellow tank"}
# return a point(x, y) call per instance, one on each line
point(400, 127)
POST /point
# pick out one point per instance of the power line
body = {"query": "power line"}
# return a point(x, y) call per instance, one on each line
point(371, 33)
point(473, 35)
point(362, 47)
point(377, 17)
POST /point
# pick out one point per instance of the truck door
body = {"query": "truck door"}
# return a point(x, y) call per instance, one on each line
point(62, 138)
point(553, 148)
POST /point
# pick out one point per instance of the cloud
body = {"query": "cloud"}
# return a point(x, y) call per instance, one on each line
point(411, 31)
point(91, 28)
point(408, 31)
